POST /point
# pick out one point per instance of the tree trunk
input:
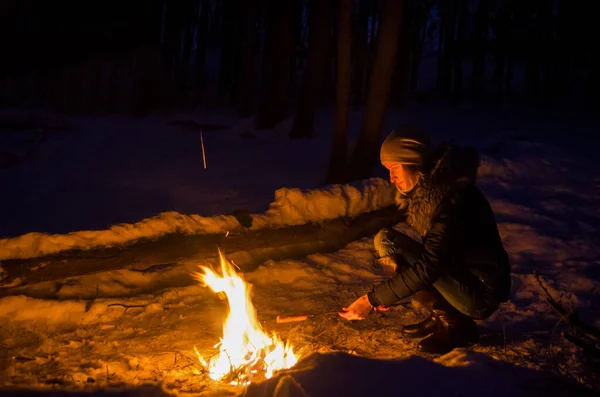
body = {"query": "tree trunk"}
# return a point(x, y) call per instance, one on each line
point(172, 37)
point(360, 53)
point(249, 49)
point(201, 45)
point(547, 91)
point(501, 47)
point(419, 37)
point(592, 80)
point(460, 12)
point(592, 86)
point(94, 100)
point(299, 47)
point(274, 101)
point(146, 90)
point(174, 19)
point(187, 36)
point(367, 146)
point(112, 88)
point(446, 46)
point(231, 47)
point(568, 33)
point(481, 21)
point(319, 39)
point(375, 7)
point(227, 43)
point(338, 157)
point(533, 67)
point(401, 78)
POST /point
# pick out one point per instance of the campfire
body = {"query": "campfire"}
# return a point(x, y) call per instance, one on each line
point(245, 352)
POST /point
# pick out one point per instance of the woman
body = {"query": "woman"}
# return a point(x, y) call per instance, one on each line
point(460, 271)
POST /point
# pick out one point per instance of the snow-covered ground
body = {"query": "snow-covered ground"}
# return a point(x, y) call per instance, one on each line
point(107, 171)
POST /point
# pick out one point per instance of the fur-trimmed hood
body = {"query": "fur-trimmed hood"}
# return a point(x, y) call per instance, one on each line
point(449, 168)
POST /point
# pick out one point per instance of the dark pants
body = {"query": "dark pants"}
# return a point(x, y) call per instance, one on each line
point(458, 287)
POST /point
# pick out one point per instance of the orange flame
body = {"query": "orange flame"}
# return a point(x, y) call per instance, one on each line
point(245, 350)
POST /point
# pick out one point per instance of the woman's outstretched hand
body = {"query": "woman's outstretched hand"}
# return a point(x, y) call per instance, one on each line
point(360, 309)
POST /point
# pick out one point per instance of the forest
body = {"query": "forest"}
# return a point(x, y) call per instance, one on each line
point(272, 59)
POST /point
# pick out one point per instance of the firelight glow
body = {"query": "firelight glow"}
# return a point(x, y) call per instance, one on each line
point(246, 352)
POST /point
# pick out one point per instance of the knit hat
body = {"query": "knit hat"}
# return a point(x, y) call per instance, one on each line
point(406, 145)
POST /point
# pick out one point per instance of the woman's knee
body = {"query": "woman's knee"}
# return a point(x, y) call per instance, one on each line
point(384, 245)
point(465, 299)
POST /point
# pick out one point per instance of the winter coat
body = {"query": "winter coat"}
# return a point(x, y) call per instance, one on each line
point(458, 228)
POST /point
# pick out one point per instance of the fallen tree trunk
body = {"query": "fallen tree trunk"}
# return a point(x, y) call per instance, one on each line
point(248, 248)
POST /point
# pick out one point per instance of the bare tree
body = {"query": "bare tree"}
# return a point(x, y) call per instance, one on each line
point(460, 13)
point(277, 58)
point(201, 45)
point(401, 77)
point(570, 30)
point(367, 146)
point(360, 51)
point(187, 41)
point(319, 39)
point(249, 49)
point(503, 23)
point(423, 9)
point(410, 46)
point(539, 14)
point(481, 24)
point(338, 158)
point(231, 46)
point(445, 46)
point(147, 65)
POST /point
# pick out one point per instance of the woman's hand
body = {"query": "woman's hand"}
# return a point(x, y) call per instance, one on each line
point(358, 310)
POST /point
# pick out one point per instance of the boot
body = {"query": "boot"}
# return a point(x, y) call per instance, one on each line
point(453, 330)
point(420, 329)
point(424, 299)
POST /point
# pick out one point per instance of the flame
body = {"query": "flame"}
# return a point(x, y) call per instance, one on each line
point(245, 352)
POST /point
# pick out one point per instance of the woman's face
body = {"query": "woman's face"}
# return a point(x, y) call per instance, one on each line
point(400, 177)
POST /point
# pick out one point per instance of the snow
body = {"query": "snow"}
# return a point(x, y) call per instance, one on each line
point(291, 205)
point(459, 372)
point(123, 328)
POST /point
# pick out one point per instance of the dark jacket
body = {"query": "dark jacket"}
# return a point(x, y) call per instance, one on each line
point(459, 231)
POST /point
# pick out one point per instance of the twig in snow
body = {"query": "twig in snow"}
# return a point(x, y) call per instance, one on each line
point(564, 315)
point(126, 306)
point(586, 346)
point(589, 338)
point(569, 318)
point(203, 153)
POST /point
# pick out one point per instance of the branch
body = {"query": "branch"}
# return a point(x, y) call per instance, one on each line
point(562, 312)
point(126, 306)
point(572, 318)
point(585, 345)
